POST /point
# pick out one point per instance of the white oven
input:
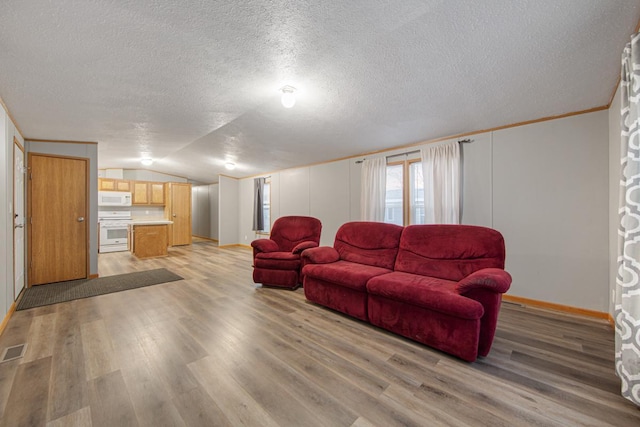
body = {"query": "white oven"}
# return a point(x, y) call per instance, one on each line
point(114, 230)
point(114, 198)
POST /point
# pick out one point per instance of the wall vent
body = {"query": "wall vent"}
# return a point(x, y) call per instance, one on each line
point(14, 352)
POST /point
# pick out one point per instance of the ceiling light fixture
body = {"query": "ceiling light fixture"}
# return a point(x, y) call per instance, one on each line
point(288, 96)
point(230, 166)
point(147, 161)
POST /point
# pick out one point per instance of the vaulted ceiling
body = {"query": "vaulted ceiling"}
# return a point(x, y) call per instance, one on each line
point(195, 84)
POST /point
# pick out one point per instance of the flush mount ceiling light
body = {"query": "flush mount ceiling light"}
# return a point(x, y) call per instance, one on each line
point(147, 161)
point(230, 166)
point(288, 96)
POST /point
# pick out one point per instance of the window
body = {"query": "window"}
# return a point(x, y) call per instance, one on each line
point(394, 200)
point(416, 193)
point(404, 201)
point(266, 207)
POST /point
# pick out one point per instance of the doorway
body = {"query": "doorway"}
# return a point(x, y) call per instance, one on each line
point(57, 211)
point(18, 218)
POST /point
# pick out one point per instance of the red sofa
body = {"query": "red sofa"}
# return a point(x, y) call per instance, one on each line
point(440, 285)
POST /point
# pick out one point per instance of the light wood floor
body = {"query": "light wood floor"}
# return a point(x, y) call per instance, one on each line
point(212, 350)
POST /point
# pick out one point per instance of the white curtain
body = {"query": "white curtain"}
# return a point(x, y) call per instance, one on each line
point(627, 304)
point(374, 189)
point(441, 172)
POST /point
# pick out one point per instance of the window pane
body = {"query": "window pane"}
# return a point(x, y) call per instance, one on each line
point(393, 199)
point(266, 205)
point(416, 194)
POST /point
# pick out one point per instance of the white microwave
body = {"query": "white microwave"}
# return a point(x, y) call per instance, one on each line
point(114, 198)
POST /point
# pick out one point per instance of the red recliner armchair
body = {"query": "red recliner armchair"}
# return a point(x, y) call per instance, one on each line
point(276, 260)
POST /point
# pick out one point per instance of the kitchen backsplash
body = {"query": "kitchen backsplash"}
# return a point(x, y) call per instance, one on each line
point(147, 212)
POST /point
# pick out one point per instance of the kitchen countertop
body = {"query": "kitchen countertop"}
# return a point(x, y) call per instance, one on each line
point(150, 222)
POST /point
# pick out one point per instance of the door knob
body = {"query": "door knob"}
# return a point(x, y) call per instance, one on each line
point(18, 226)
point(80, 219)
point(174, 215)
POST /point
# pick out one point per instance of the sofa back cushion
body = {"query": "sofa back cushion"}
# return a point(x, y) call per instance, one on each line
point(450, 252)
point(289, 231)
point(369, 243)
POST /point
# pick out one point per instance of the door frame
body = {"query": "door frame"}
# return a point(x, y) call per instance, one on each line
point(16, 143)
point(86, 210)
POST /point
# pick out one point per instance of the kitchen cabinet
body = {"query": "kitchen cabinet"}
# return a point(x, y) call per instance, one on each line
point(148, 193)
point(149, 240)
point(178, 209)
point(113, 184)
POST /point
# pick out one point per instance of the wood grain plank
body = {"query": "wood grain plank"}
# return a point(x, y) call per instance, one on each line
point(97, 349)
point(150, 398)
point(27, 403)
point(110, 401)
point(239, 407)
point(79, 418)
point(68, 388)
point(41, 335)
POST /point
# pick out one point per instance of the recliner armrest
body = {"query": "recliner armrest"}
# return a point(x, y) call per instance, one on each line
point(304, 245)
point(320, 255)
point(490, 279)
point(265, 245)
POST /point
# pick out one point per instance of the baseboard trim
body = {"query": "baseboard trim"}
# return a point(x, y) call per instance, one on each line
point(205, 238)
point(4, 323)
point(559, 307)
point(93, 276)
point(235, 245)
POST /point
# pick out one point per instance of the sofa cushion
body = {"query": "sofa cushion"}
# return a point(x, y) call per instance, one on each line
point(449, 252)
point(344, 273)
point(428, 292)
point(277, 260)
point(369, 243)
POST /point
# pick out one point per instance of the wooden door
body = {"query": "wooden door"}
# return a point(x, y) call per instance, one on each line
point(180, 202)
point(58, 212)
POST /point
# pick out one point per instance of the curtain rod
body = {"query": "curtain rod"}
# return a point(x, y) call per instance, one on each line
point(461, 141)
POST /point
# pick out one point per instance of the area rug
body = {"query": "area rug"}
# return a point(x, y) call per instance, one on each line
point(37, 296)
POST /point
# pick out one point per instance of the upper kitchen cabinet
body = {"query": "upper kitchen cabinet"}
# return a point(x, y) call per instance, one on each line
point(113, 184)
point(148, 193)
point(178, 210)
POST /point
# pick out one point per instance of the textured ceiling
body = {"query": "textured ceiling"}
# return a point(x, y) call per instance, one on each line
point(195, 83)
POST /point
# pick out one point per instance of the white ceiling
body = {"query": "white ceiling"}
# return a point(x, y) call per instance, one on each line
point(195, 82)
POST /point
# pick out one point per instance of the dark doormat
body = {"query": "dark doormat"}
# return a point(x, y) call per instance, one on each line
point(37, 296)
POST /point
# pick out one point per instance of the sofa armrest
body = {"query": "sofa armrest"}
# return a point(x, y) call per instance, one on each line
point(264, 245)
point(320, 255)
point(304, 245)
point(490, 279)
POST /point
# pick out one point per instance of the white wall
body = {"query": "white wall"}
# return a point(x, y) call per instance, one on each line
point(204, 209)
point(295, 191)
point(550, 201)
point(228, 210)
point(89, 151)
point(200, 211)
point(544, 186)
point(330, 197)
point(213, 209)
point(614, 192)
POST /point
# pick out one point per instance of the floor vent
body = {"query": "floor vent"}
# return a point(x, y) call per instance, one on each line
point(12, 353)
